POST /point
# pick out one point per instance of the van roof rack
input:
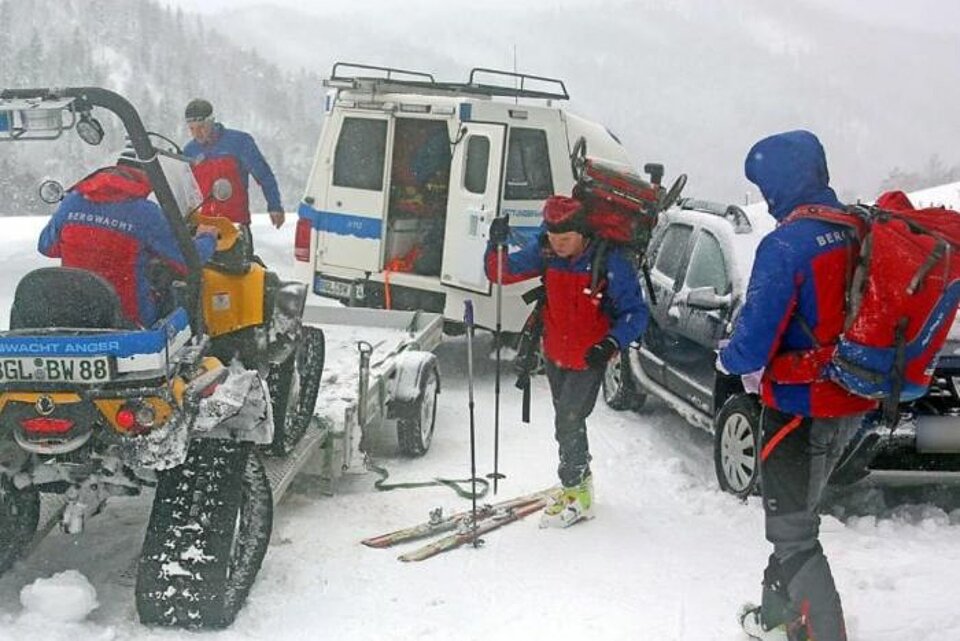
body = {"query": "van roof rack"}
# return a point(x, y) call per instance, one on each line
point(737, 217)
point(348, 75)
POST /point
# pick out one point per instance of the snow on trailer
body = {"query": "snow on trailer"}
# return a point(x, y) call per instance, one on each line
point(379, 366)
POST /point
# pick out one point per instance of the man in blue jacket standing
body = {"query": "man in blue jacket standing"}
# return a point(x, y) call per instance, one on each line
point(794, 311)
point(218, 152)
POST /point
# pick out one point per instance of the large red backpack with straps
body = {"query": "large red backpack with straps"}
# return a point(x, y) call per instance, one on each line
point(620, 206)
point(902, 296)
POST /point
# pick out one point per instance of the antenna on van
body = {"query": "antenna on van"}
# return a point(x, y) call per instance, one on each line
point(516, 78)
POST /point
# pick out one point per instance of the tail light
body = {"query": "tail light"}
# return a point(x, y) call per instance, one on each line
point(136, 418)
point(46, 426)
point(301, 242)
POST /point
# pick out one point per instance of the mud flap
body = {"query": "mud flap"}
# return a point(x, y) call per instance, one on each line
point(238, 409)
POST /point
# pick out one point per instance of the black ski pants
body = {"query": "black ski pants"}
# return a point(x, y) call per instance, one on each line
point(798, 456)
point(574, 395)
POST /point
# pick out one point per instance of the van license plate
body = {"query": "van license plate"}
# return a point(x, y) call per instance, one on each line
point(333, 288)
point(78, 369)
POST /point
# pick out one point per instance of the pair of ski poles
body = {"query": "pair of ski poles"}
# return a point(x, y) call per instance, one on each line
point(468, 322)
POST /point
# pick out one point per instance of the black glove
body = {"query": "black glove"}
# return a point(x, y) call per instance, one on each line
point(500, 230)
point(599, 353)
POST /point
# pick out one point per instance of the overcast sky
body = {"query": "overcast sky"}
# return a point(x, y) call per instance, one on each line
point(933, 15)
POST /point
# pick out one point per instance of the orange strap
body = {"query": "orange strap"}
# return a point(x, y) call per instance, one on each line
point(403, 263)
point(783, 433)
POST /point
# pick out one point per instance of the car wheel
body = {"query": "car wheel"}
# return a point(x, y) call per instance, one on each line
point(620, 391)
point(736, 445)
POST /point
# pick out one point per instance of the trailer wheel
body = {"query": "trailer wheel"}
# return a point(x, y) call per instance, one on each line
point(206, 538)
point(294, 386)
point(416, 420)
point(19, 516)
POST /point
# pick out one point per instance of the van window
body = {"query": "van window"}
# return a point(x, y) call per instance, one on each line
point(707, 266)
point(528, 165)
point(477, 164)
point(358, 160)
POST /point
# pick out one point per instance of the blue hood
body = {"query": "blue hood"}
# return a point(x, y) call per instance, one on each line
point(791, 170)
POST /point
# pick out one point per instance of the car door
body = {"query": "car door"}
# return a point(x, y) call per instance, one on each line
point(668, 257)
point(703, 304)
point(353, 213)
point(476, 173)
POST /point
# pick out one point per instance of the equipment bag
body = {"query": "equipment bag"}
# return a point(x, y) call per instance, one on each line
point(901, 301)
point(621, 208)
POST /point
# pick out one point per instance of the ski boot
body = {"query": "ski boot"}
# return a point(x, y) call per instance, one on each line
point(570, 505)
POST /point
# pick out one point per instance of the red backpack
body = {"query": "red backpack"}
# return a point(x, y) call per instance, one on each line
point(902, 297)
point(621, 207)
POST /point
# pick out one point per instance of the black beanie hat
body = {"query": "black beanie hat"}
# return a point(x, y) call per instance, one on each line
point(198, 110)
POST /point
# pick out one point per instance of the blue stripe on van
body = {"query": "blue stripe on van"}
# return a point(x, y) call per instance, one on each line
point(341, 224)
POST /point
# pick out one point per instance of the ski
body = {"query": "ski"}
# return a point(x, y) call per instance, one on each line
point(467, 534)
point(439, 523)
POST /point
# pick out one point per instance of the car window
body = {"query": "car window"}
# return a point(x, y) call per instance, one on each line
point(670, 252)
point(707, 265)
point(477, 163)
point(528, 165)
point(358, 160)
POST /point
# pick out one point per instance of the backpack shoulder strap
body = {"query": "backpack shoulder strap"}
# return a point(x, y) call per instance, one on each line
point(854, 218)
point(598, 266)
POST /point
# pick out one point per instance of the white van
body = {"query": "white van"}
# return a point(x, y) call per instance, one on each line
point(409, 173)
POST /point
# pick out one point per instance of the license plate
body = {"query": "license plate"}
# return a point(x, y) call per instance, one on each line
point(333, 288)
point(75, 369)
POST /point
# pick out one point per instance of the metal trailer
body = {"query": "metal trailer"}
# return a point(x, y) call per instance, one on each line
point(380, 367)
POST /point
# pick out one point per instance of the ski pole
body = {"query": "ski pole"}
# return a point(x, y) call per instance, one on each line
point(496, 475)
point(468, 321)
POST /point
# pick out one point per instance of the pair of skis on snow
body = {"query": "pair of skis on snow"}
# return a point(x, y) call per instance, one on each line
point(461, 525)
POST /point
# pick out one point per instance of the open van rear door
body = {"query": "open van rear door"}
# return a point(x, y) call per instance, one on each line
point(351, 224)
point(476, 174)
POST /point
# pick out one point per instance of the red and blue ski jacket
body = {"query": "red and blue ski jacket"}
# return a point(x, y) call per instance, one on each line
point(107, 226)
point(795, 299)
point(233, 155)
point(573, 320)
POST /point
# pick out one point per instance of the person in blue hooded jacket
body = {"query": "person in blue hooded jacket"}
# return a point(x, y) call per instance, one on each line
point(793, 312)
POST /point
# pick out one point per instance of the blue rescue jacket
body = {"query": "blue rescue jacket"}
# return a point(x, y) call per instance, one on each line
point(573, 319)
point(795, 299)
point(241, 146)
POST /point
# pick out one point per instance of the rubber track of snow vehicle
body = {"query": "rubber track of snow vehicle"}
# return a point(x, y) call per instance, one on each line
point(451, 522)
point(206, 538)
point(496, 520)
point(19, 516)
point(289, 427)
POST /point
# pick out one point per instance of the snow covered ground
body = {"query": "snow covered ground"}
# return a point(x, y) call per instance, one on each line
point(668, 556)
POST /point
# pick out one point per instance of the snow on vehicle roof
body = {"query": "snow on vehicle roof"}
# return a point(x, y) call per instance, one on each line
point(945, 195)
